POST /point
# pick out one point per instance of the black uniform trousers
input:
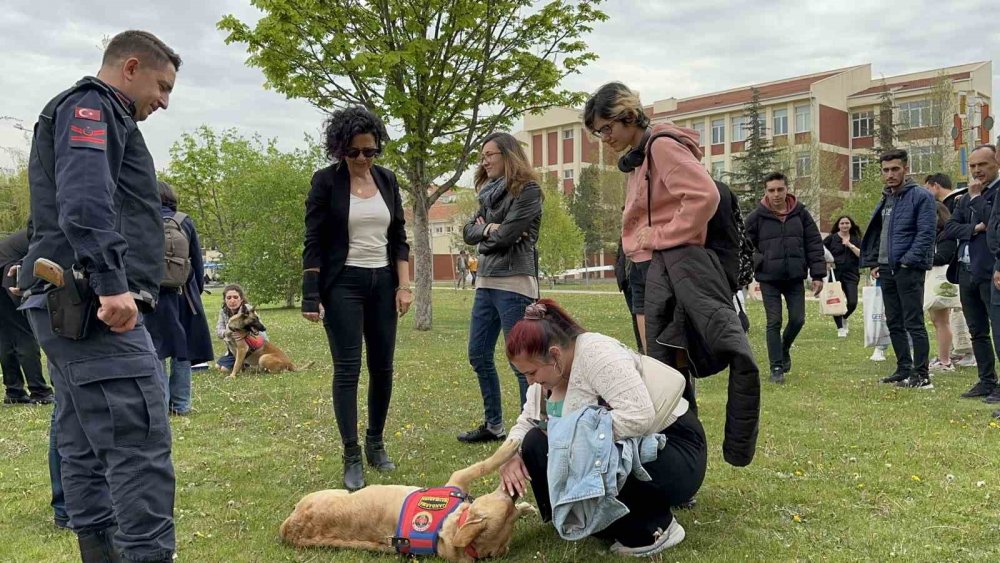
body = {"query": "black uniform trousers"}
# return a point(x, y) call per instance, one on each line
point(113, 435)
point(20, 358)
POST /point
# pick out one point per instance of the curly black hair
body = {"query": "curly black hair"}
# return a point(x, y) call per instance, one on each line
point(344, 124)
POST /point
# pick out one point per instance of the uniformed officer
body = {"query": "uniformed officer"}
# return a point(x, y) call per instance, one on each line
point(20, 359)
point(95, 209)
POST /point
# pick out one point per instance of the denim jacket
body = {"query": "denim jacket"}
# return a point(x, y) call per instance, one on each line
point(586, 469)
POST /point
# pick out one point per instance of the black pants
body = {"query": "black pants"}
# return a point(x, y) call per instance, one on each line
point(19, 353)
point(677, 474)
point(361, 304)
point(794, 292)
point(903, 295)
point(627, 292)
point(976, 306)
point(851, 291)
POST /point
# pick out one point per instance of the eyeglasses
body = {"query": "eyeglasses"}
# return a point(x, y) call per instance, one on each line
point(604, 131)
point(487, 155)
point(369, 152)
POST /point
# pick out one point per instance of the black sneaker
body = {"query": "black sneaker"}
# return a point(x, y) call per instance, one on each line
point(916, 382)
point(895, 377)
point(8, 400)
point(43, 399)
point(786, 363)
point(996, 414)
point(777, 375)
point(993, 398)
point(980, 389)
point(481, 434)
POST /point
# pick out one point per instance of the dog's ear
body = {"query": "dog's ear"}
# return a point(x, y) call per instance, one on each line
point(469, 531)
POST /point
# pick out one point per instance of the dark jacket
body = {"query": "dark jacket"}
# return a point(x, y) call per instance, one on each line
point(105, 216)
point(952, 200)
point(327, 240)
point(845, 263)
point(689, 308)
point(912, 228)
point(968, 212)
point(724, 236)
point(178, 325)
point(785, 250)
point(12, 251)
point(510, 249)
point(945, 249)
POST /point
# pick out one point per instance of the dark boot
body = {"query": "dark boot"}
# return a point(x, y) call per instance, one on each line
point(96, 546)
point(376, 454)
point(354, 471)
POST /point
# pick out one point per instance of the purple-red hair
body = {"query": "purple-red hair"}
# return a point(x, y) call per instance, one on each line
point(545, 324)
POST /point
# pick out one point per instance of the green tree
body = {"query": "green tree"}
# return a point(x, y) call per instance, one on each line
point(864, 196)
point(444, 72)
point(560, 241)
point(885, 128)
point(596, 205)
point(14, 195)
point(759, 157)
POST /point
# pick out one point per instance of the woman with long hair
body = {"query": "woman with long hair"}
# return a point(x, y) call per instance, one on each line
point(505, 230)
point(844, 243)
point(356, 277)
point(944, 252)
point(570, 369)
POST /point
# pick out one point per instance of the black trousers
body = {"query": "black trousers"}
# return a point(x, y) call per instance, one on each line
point(851, 291)
point(677, 474)
point(903, 295)
point(794, 292)
point(977, 308)
point(361, 305)
point(19, 353)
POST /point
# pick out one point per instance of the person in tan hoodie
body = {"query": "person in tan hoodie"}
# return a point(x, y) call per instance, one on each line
point(670, 196)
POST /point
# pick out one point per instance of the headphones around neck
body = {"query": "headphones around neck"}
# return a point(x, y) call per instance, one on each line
point(635, 157)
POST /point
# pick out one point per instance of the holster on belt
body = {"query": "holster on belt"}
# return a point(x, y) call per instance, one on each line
point(72, 308)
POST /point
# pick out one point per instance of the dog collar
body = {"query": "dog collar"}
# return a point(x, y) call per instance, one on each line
point(469, 550)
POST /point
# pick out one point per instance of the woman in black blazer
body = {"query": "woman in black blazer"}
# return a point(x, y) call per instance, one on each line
point(356, 276)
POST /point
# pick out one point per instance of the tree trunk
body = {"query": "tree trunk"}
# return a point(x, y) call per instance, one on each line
point(423, 262)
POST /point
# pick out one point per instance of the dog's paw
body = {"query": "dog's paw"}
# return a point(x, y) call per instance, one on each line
point(228, 377)
point(525, 507)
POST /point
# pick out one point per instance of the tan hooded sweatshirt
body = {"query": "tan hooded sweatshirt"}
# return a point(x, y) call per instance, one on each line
point(684, 197)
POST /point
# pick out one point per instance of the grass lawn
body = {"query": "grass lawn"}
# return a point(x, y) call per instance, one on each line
point(846, 469)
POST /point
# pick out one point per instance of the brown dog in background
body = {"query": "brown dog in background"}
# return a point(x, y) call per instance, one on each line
point(268, 357)
point(367, 518)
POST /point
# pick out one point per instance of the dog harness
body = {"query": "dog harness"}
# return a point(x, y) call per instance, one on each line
point(422, 516)
point(254, 341)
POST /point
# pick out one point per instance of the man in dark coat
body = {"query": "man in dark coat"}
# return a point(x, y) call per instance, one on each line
point(788, 246)
point(20, 357)
point(178, 326)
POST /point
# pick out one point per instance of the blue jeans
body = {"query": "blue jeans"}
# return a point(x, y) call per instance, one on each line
point(492, 310)
point(179, 385)
point(55, 474)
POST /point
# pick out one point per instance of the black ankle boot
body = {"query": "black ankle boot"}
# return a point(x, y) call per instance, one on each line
point(354, 471)
point(96, 546)
point(376, 454)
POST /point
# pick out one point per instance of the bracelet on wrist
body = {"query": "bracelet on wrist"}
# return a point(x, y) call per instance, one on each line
point(405, 288)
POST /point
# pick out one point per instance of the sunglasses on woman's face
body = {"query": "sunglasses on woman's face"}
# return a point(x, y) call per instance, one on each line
point(369, 152)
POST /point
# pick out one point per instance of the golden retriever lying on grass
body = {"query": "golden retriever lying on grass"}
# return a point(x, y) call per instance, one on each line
point(367, 518)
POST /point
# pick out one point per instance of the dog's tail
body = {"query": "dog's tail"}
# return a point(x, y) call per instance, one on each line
point(304, 366)
point(464, 477)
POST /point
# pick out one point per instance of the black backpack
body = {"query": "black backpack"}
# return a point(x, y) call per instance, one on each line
point(726, 230)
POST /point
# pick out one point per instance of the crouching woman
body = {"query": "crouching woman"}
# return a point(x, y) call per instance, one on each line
point(571, 369)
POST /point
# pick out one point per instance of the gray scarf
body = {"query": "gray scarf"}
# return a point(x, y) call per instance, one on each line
point(492, 192)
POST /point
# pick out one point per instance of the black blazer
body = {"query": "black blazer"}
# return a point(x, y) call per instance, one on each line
point(327, 206)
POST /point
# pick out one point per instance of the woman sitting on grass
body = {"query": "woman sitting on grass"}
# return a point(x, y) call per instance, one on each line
point(233, 300)
point(569, 369)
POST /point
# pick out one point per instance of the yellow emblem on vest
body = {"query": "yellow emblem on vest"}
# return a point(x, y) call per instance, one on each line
point(433, 503)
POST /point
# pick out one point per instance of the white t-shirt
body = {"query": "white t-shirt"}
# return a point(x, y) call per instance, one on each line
point(367, 225)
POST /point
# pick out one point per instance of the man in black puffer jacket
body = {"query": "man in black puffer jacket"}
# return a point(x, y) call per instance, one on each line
point(788, 247)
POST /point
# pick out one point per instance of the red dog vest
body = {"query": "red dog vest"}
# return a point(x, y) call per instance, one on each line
point(421, 518)
point(254, 341)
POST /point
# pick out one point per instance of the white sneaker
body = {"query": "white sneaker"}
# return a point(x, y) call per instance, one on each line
point(878, 355)
point(841, 333)
point(967, 361)
point(938, 365)
point(662, 540)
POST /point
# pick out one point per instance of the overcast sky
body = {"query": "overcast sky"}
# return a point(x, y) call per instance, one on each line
point(662, 48)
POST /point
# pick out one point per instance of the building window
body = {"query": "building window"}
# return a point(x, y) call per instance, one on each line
point(449, 229)
point(568, 174)
point(718, 169)
point(921, 160)
point(718, 131)
point(858, 165)
point(699, 127)
point(740, 128)
point(862, 124)
point(920, 113)
point(438, 230)
point(567, 134)
point(803, 164)
point(803, 119)
point(780, 121)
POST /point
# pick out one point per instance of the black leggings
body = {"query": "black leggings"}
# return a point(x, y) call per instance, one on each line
point(362, 303)
point(677, 474)
point(851, 291)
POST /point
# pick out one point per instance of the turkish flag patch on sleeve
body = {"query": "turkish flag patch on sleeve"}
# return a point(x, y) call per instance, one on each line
point(93, 135)
point(87, 113)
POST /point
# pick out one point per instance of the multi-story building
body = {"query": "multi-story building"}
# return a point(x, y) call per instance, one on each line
point(829, 116)
point(445, 221)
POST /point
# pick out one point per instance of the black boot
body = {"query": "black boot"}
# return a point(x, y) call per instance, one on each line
point(376, 454)
point(354, 471)
point(96, 546)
